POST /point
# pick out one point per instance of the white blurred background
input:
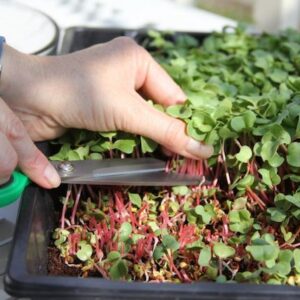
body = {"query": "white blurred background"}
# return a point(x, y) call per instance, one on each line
point(267, 15)
point(29, 31)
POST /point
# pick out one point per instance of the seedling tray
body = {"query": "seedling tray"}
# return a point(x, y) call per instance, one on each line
point(27, 269)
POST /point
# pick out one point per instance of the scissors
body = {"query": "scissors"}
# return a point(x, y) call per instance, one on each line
point(128, 171)
point(122, 172)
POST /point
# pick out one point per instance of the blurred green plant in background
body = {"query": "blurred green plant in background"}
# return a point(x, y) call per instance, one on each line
point(239, 10)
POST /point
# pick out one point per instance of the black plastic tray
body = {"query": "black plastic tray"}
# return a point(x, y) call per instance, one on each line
point(27, 269)
point(77, 38)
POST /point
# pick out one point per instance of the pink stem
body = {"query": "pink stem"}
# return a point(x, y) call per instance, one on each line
point(101, 271)
point(76, 205)
point(63, 215)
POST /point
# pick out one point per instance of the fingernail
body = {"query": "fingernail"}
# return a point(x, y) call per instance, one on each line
point(52, 176)
point(198, 149)
point(181, 97)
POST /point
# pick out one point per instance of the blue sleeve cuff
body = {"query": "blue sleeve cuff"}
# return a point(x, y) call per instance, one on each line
point(2, 41)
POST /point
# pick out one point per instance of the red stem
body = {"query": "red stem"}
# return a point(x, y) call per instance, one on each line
point(259, 202)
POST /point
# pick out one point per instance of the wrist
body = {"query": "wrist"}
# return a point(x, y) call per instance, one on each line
point(5, 70)
point(17, 74)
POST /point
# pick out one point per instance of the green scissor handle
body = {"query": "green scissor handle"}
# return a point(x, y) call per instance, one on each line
point(13, 190)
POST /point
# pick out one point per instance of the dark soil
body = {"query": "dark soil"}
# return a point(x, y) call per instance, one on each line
point(56, 265)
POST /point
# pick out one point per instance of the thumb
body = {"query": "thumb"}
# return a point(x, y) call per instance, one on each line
point(18, 147)
point(145, 120)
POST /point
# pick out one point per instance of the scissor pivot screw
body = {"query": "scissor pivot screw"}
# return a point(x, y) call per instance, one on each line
point(65, 167)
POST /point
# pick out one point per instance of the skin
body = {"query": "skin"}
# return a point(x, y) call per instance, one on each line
point(99, 89)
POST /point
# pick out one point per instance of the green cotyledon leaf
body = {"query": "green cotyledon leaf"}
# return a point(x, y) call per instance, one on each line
point(223, 251)
point(293, 157)
point(204, 257)
point(113, 256)
point(277, 215)
point(263, 251)
point(125, 231)
point(125, 145)
point(85, 251)
point(202, 212)
point(296, 255)
point(179, 111)
point(148, 145)
point(278, 75)
point(269, 176)
point(243, 122)
point(118, 270)
point(170, 242)
point(135, 199)
point(244, 154)
point(240, 220)
point(181, 190)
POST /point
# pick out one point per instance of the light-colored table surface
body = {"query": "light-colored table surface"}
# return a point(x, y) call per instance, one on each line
point(4, 252)
point(3, 295)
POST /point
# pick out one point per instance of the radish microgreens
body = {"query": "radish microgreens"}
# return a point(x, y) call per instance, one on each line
point(244, 99)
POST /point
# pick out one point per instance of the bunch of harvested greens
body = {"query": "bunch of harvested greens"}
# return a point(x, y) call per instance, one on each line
point(243, 98)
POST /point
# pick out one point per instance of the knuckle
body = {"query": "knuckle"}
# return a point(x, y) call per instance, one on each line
point(128, 46)
point(173, 134)
point(125, 42)
point(35, 161)
point(15, 129)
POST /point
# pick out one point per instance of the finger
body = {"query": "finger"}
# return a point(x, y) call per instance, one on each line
point(8, 159)
point(31, 160)
point(141, 118)
point(157, 84)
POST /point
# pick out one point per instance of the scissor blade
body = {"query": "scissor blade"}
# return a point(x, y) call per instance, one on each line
point(108, 167)
point(146, 179)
